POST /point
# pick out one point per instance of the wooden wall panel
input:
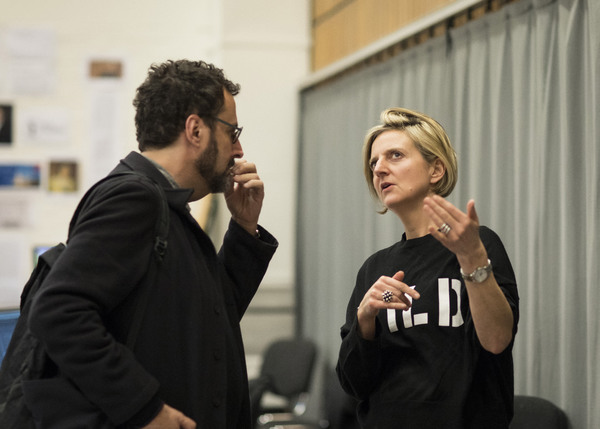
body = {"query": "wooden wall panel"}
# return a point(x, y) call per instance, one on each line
point(321, 7)
point(341, 27)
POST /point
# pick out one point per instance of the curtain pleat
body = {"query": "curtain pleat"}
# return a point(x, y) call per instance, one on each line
point(518, 93)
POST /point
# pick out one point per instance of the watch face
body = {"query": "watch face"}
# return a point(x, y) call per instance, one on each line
point(480, 275)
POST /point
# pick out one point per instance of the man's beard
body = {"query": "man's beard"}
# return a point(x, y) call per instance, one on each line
point(206, 163)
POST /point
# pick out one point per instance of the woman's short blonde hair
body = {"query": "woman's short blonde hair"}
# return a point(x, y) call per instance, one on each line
point(429, 138)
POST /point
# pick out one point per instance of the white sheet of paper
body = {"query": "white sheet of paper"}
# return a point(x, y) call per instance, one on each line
point(16, 210)
point(12, 265)
point(30, 60)
point(44, 126)
point(104, 129)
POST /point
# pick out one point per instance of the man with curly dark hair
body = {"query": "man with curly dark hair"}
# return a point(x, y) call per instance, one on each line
point(187, 367)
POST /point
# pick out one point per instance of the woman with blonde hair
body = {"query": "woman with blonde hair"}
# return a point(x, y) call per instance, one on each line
point(432, 319)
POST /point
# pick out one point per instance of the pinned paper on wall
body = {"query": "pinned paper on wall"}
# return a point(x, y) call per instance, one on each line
point(16, 211)
point(12, 267)
point(105, 78)
point(44, 126)
point(104, 132)
point(30, 60)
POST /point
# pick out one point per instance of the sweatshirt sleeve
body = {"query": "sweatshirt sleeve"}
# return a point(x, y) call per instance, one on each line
point(503, 271)
point(359, 361)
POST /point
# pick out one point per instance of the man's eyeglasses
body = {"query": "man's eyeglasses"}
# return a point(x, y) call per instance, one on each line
point(235, 131)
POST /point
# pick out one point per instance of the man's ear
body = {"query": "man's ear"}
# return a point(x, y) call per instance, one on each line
point(438, 171)
point(195, 129)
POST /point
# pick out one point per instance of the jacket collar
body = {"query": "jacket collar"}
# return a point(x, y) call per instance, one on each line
point(177, 197)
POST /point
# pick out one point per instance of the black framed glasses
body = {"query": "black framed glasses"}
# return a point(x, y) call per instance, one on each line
point(235, 131)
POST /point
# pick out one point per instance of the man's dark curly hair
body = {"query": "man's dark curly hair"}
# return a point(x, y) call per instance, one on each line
point(173, 91)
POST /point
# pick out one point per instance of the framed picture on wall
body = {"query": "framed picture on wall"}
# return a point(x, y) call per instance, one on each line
point(6, 135)
point(63, 176)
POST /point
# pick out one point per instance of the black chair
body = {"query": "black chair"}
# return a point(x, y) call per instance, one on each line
point(286, 371)
point(532, 412)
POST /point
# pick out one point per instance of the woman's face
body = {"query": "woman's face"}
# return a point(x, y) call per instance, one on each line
point(401, 176)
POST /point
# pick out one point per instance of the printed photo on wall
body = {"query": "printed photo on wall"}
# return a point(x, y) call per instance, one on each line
point(106, 69)
point(20, 175)
point(6, 136)
point(63, 176)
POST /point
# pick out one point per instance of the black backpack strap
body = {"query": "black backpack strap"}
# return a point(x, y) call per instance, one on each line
point(162, 223)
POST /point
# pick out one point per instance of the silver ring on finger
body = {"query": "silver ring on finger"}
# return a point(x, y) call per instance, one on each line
point(444, 229)
point(387, 296)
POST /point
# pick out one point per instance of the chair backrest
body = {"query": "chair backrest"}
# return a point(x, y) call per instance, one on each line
point(8, 320)
point(288, 365)
point(534, 412)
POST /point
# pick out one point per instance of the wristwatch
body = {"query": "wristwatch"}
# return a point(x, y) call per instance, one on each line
point(479, 275)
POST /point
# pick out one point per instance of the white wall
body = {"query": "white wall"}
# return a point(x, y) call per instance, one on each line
point(262, 44)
